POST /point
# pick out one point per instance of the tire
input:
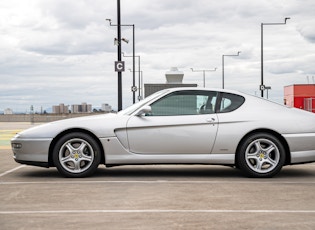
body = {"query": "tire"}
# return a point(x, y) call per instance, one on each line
point(76, 155)
point(261, 155)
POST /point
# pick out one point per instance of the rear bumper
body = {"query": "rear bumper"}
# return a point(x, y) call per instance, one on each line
point(302, 157)
point(302, 147)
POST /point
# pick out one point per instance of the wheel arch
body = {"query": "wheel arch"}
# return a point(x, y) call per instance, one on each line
point(55, 140)
point(269, 131)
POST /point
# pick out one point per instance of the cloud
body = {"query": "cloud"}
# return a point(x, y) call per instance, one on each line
point(66, 42)
point(306, 29)
point(62, 51)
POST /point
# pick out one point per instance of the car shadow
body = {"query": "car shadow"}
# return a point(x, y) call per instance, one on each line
point(155, 172)
point(172, 171)
point(297, 172)
point(39, 173)
point(139, 172)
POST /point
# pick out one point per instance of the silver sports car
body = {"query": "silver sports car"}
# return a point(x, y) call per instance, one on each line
point(176, 126)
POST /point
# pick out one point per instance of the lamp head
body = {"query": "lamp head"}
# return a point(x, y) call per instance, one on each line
point(116, 42)
point(125, 40)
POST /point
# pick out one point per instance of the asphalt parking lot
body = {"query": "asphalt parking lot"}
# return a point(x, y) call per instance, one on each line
point(152, 197)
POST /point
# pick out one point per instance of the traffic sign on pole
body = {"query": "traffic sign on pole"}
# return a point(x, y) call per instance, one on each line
point(119, 66)
point(133, 88)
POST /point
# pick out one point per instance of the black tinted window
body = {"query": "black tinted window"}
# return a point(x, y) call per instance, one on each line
point(190, 102)
point(230, 102)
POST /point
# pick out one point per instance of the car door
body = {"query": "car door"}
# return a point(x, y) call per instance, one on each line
point(182, 122)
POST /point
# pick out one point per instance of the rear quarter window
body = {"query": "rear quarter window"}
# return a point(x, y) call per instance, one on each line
point(230, 102)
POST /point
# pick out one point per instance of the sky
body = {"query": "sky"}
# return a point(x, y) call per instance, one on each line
point(63, 51)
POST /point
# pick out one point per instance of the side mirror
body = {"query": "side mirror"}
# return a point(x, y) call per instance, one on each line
point(144, 110)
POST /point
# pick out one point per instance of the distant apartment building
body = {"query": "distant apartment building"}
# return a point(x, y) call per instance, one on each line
point(8, 111)
point(60, 109)
point(106, 108)
point(83, 108)
point(78, 108)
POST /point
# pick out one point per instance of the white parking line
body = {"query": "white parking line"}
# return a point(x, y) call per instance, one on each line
point(155, 182)
point(12, 170)
point(156, 211)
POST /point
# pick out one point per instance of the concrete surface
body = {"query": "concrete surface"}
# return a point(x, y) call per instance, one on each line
point(155, 197)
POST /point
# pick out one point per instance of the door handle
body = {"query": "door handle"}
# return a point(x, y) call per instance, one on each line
point(210, 120)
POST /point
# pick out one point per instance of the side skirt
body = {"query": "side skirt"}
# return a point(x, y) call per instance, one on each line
point(116, 154)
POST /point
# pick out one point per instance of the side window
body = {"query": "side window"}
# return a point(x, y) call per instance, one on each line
point(190, 102)
point(230, 102)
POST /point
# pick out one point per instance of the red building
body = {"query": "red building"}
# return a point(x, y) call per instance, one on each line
point(300, 96)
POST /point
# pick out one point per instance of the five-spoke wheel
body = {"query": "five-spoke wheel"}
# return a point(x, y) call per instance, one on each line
point(261, 155)
point(76, 155)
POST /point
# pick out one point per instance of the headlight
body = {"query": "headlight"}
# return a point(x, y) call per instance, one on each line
point(16, 145)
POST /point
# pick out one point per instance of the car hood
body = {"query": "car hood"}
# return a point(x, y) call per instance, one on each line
point(99, 125)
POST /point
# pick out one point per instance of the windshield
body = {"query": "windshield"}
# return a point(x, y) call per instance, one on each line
point(139, 104)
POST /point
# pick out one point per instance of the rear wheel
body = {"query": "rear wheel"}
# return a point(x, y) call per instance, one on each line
point(261, 155)
point(76, 155)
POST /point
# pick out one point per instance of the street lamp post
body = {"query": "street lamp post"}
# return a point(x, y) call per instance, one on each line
point(140, 96)
point(262, 86)
point(227, 55)
point(267, 88)
point(204, 73)
point(119, 57)
point(138, 56)
point(133, 55)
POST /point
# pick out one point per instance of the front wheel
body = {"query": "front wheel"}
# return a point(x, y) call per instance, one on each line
point(76, 155)
point(261, 155)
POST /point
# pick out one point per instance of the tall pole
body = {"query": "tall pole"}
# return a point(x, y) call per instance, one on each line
point(133, 65)
point(262, 86)
point(139, 96)
point(262, 60)
point(133, 56)
point(140, 88)
point(227, 55)
point(204, 74)
point(119, 57)
point(134, 71)
point(222, 71)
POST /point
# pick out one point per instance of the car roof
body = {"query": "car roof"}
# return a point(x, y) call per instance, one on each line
point(207, 89)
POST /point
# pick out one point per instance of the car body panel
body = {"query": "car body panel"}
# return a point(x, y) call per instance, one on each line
point(99, 125)
point(116, 154)
point(172, 135)
point(302, 157)
point(36, 150)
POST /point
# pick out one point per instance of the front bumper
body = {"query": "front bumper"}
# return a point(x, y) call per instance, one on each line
point(31, 151)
